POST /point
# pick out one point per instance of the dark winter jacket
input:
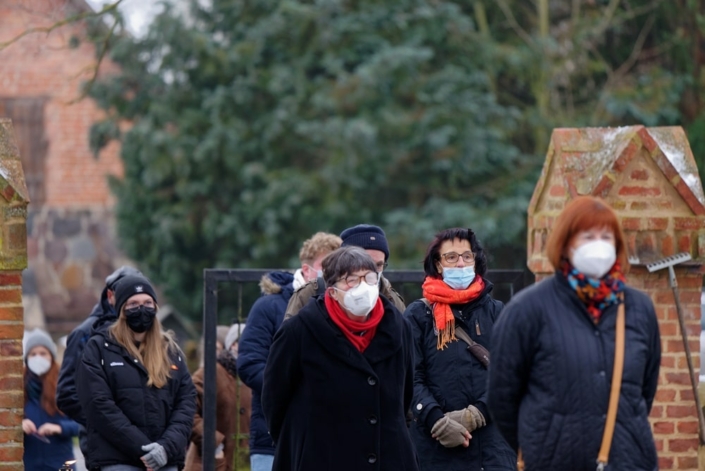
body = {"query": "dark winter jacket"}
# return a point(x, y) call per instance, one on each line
point(66, 394)
point(41, 456)
point(550, 379)
point(124, 414)
point(452, 379)
point(263, 321)
point(330, 407)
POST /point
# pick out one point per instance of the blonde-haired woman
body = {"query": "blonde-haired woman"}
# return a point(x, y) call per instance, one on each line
point(135, 389)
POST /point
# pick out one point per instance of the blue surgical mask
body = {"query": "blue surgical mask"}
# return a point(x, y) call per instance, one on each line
point(458, 278)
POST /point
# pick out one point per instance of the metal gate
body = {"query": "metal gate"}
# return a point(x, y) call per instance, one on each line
point(507, 283)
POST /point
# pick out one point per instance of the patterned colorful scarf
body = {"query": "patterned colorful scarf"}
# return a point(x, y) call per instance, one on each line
point(595, 294)
point(442, 296)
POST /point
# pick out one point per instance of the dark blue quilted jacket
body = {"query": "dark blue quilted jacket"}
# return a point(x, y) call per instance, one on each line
point(550, 379)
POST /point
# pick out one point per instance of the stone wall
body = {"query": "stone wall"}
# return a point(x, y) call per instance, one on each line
point(648, 175)
point(71, 251)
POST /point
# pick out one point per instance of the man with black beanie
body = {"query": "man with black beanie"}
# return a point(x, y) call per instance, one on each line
point(373, 240)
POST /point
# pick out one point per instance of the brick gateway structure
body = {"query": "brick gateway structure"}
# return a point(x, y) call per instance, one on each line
point(13, 259)
point(649, 176)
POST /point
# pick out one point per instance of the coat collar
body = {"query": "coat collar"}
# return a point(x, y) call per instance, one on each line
point(386, 342)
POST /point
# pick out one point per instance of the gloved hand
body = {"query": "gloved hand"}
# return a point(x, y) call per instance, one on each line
point(156, 456)
point(470, 418)
point(450, 433)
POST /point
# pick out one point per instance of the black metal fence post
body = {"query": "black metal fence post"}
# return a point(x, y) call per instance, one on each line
point(210, 320)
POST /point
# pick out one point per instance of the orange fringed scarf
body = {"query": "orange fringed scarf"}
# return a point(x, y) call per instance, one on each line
point(442, 296)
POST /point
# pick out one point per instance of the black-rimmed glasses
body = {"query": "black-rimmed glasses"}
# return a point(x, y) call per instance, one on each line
point(453, 257)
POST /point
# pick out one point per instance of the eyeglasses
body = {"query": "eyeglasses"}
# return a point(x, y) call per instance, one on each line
point(381, 266)
point(452, 257)
point(135, 304)
point(353, 281)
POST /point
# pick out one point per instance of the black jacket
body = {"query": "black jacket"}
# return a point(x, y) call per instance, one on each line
point(451, 379)
point(123, 413)
point(551, 374)
point(328, 406)
point(66, 394)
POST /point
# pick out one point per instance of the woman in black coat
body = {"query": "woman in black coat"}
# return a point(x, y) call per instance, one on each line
point(339, 377)
point(452, 429)
point(554, 348)
point(135, 389)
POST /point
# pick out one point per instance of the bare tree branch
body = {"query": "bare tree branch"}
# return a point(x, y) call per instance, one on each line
point(96, 68)
point(506, 9)
point(626, 65)
point(69, 20)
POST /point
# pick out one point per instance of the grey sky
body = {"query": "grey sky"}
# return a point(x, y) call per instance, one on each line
point(138, 13)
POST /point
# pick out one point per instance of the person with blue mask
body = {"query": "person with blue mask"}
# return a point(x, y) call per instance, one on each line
point(452, 326)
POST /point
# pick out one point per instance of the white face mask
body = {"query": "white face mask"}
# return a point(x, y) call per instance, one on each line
point(360, 300)
point(38, 365)
point(594, 259)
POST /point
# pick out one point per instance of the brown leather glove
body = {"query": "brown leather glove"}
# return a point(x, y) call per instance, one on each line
point(449, 432)
point(470, 418)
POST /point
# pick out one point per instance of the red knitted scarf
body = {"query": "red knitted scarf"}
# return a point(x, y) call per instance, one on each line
point(438, 292)
point(360, 334)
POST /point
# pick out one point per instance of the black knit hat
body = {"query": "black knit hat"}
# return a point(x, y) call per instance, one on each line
point(130, 285)
point(367, 237)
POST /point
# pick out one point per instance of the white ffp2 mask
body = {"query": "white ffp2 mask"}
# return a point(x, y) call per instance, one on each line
point(360, 300)
point(594, 259)
point(38, 365)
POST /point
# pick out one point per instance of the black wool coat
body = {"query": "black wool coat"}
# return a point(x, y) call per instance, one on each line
point(328, 406)
point(123, 413)
point(551, 374)
point(452, 379)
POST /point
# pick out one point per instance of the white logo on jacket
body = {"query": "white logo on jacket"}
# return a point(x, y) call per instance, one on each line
point(117, 363)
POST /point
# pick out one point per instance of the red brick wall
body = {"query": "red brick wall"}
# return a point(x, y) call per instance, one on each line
point(43, 65)
point(674, 417)
point(11, 398)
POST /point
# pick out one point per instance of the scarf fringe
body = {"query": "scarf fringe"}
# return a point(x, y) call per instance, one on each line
point(446, 335)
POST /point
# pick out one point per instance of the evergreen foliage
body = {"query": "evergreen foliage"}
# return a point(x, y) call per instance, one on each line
point(248, 125)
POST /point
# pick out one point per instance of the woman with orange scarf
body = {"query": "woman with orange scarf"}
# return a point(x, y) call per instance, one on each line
point(452, 327)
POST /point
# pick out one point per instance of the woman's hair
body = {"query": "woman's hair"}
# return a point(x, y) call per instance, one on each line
point(344, 261)
point(319, 243)
point(433, 256)
point(581, 214)
point(49, 381)
point(153, 352)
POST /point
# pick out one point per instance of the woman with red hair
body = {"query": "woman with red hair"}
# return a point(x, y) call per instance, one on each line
point(554, 350)
point(47, 432)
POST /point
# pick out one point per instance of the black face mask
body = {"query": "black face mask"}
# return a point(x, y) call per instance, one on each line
point(140, 319)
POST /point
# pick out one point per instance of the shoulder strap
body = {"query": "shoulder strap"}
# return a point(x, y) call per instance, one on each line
point(614, 393)
point(480, 352)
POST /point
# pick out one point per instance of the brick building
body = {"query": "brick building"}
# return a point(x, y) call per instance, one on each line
point(70, 226)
